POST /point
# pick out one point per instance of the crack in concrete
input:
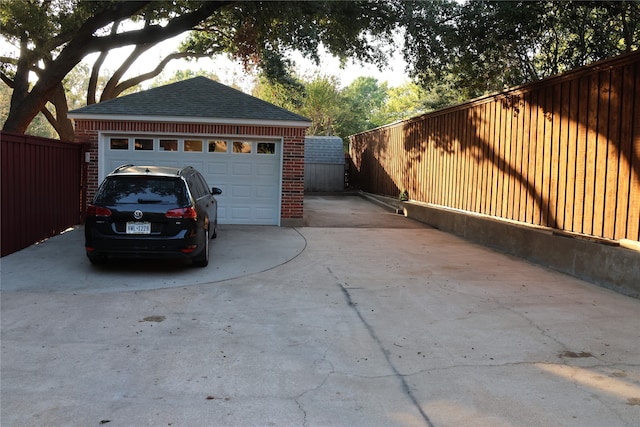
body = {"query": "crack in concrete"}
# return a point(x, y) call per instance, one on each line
point(374, 336)
point(317, 387)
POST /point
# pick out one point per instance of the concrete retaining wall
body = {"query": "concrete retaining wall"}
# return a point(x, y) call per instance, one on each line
point(613, 265)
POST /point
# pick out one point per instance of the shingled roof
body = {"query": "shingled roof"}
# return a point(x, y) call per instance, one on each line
point(191, 100)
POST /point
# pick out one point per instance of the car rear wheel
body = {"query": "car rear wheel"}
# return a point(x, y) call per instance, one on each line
point(202, 260)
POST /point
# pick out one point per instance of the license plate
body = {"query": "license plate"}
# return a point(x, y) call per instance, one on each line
point(138, 228)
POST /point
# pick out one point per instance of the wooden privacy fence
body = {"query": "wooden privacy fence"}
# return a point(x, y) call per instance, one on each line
point(42, 188)
point(561, 153)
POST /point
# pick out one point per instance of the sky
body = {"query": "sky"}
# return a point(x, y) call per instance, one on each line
point(231, 73)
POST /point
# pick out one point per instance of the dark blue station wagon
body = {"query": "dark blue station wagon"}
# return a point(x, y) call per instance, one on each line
point(152, 212)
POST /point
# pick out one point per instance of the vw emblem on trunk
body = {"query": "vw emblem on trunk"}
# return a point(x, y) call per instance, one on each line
point(137, 214)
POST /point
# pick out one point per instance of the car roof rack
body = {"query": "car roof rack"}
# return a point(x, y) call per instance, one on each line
point(119, 168)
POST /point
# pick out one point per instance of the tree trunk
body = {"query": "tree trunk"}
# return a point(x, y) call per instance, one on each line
point(62, 123)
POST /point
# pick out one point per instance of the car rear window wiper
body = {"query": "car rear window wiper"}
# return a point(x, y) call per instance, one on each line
point(149, 201)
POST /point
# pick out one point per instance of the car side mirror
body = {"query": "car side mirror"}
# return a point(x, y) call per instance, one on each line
point(215, 191)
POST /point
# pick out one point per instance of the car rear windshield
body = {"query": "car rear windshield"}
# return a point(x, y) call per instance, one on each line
point(141, 190)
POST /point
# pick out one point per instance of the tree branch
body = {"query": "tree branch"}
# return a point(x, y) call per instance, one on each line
point(59, 121)
point(8, 60)
point(95, 70)
point(49, 116)
point(108, 92)
point(156, 33)
point(21, 79)
point(118, 89)
point(63, 125)
point(6, 80)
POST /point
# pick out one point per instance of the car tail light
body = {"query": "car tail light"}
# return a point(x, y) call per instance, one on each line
point(98, 211)
point(187, 213)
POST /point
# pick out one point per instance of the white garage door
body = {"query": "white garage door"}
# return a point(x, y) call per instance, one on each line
point(247, 171)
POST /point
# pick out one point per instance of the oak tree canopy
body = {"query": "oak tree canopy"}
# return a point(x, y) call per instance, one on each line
point(469, 48)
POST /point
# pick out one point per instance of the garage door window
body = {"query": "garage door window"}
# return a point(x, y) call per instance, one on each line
point(143, 144)
point(241, 147)
point(119, 143)
point(266, 148)
point(193, 145)
point(218, 146)
point(168, 145)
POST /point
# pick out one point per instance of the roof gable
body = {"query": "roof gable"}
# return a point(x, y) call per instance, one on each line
point(198, 97)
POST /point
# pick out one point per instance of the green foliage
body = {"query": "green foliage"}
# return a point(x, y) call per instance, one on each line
point(5, 100)
point(53, 36)
point(289, 95)
point(403, 102)
point(323, 104)
point(486, 46)
point(365, 98)
point(364, 104)
point(261, 33)
point(39, 126)
point(75, 84)
point(455, 50)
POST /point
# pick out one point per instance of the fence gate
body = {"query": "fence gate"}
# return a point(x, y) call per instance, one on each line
point(42, 182)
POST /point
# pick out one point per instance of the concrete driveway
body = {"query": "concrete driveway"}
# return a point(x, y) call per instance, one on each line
point(360, 318)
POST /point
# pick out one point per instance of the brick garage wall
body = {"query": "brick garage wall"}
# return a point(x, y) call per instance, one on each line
point(292, 181)
point(90, 138)
point(291, 210)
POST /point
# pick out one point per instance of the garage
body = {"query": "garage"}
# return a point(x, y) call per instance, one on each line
point(247, 171)
point(251, 149)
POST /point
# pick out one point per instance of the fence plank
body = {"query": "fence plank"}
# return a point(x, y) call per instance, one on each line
point(487, 159)
point(611, 194)
point(523, 152)
point(628, 89)
point(556, 148)
point(591, 155)
point(581, 156)
point(633, 216)
point(563, 166)
point(474, 143)
point(572, 132)
point(542, 165)
point(498, 165)
point(455, 160)
point(508, 161)
point(494, 151)
point(531, 160)
point(602, 131)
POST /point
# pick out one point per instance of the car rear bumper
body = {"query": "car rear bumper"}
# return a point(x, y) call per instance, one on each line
point(149, 247)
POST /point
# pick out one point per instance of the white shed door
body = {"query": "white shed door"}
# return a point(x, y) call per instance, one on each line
point(247, 172)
